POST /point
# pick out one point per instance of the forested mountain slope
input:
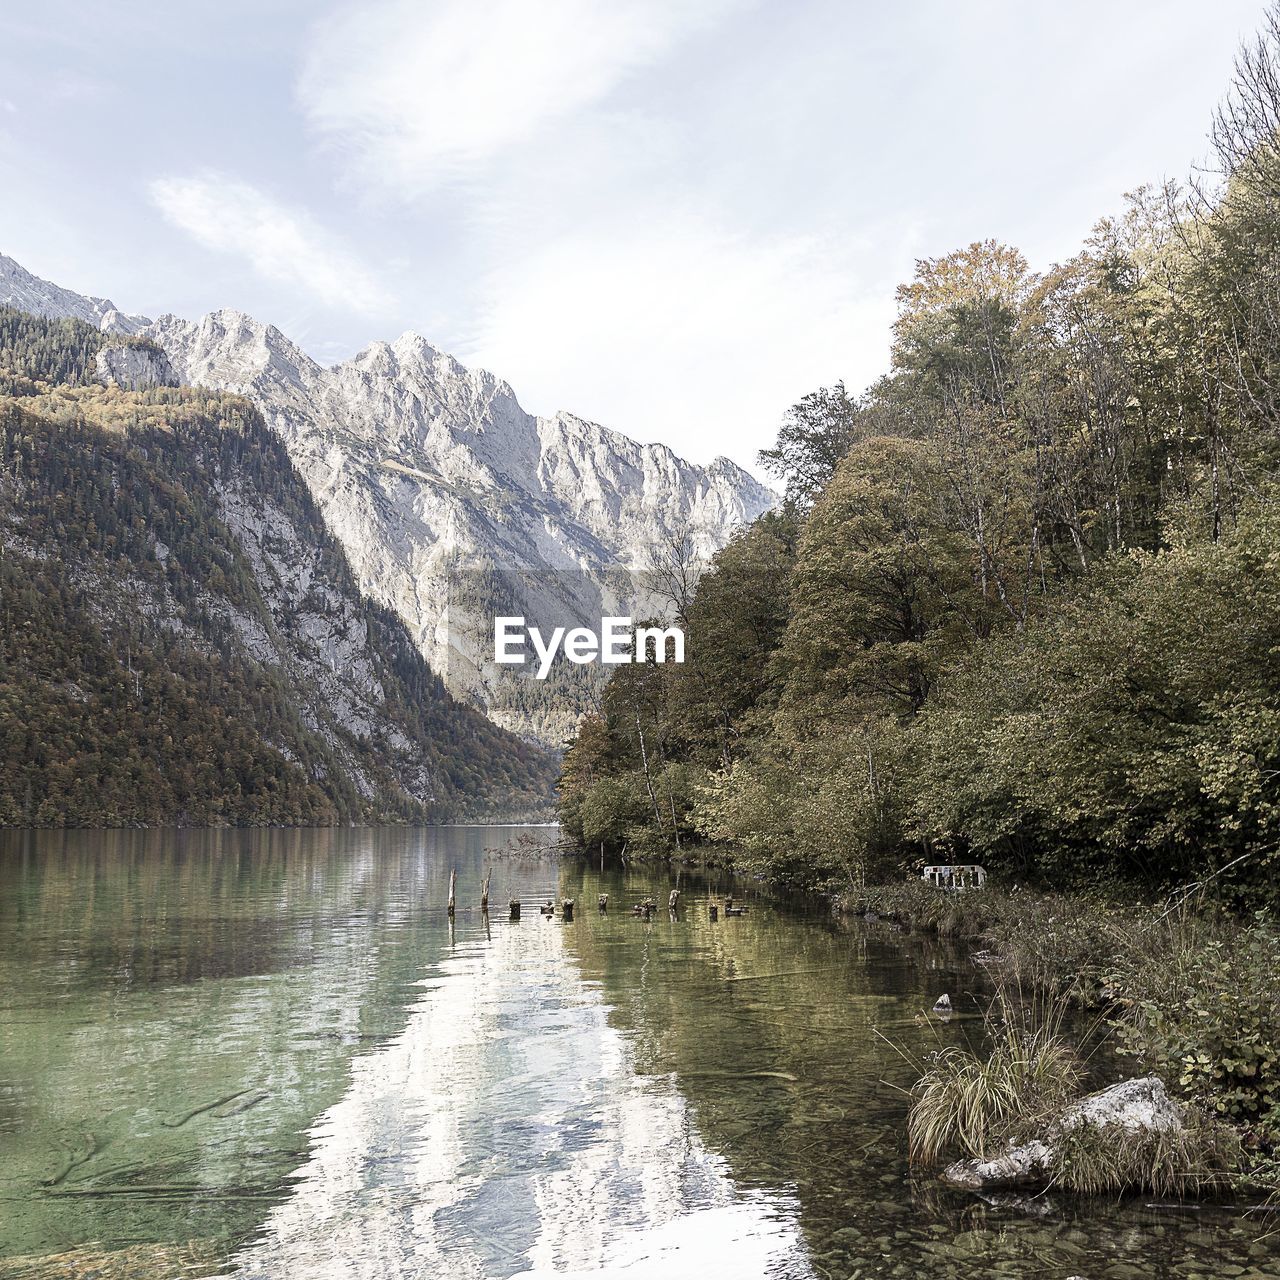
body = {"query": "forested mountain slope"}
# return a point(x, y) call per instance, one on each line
point(181, 640)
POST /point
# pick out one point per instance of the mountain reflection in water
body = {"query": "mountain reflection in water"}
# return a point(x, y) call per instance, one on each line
point(505, 1133)
point(269, 1055)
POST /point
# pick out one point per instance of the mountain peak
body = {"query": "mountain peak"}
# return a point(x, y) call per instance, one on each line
point(228, 349)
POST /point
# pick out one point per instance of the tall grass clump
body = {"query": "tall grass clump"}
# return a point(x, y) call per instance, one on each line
point(971, 1103)
point(1204, 1155)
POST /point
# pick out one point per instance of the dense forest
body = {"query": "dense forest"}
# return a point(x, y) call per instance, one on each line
point(1021, 604)
point(182, 642)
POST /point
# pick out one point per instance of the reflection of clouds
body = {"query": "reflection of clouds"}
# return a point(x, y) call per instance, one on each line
point(504, 1133)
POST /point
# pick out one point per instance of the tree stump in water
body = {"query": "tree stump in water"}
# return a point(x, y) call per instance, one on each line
point(453, 880)
point(715, 912)
point(566, 908)
point(484, 895)
point(604, 902)
point(674, 900)
point(515, 909)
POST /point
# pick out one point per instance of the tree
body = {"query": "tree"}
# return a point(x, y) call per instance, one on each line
point(815, 434)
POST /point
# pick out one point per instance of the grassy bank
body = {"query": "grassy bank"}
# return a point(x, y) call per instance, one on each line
point(1177, 988)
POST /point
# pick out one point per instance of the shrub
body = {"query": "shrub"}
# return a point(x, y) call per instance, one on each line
point(1206, 1016)
point(612, 810)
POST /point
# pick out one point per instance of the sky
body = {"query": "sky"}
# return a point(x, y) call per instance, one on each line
point(675, 217)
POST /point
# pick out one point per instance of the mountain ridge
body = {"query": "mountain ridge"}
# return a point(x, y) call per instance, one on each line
point(432, 475)
point(22, 290)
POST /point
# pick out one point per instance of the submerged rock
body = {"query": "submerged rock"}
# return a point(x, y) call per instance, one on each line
point(1134, 1106)
point(1029, 1205)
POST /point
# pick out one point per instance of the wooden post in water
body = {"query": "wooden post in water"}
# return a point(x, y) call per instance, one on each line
point(674, 900)
point(567, 907)
point(453, 880)
point(604, 902)
point(515, 909)
point(715, 912)
point(484, 895)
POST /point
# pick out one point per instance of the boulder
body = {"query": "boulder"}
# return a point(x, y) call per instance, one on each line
point(1132, 1105)
point(1027, 1162)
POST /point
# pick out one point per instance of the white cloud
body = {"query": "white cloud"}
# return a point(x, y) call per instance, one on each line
point(683, 333)
point(285, 245)
point(417, 93)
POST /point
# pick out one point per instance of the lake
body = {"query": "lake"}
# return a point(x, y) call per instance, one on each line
point(271, 1054)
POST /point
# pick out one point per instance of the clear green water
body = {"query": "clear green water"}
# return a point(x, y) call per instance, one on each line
point(268, 1054)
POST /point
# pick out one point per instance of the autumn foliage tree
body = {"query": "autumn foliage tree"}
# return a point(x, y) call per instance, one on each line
point(1019, 605)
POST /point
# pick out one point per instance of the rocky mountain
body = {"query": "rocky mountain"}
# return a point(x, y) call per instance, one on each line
point(454, 505)
point(451, 502)
point(183, 641)
point(24, 292)
point(135, 366)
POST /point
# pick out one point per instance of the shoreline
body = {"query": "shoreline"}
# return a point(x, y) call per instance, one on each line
point(1182, 987)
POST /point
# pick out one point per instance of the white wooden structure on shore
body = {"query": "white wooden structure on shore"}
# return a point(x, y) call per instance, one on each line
point(956, 877)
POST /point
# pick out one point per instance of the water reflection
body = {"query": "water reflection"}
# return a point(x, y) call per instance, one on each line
point(153, 984)
point(270, 1054)
point(793, 1043)
point(506, 1133)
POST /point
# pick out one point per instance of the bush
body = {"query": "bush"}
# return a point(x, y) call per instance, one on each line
point(612, 810)
point(1206, 1017)
point(825, 818)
